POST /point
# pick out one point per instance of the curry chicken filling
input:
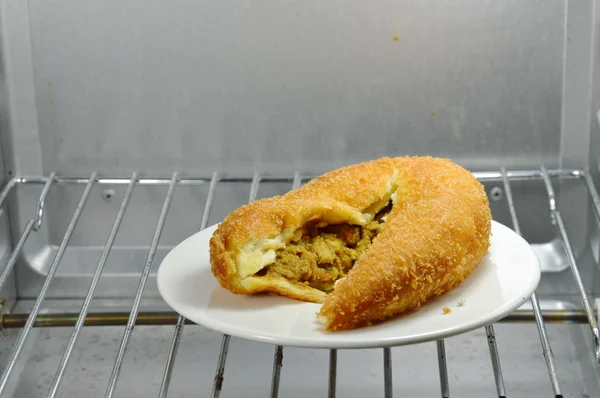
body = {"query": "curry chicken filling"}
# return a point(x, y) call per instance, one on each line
point(325, 254)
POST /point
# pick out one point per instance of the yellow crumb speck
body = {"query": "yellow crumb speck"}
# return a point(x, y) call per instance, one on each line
point(432, 113)
point(460, 303)
point(446, 310)
point(396, 38)
point(49, 84)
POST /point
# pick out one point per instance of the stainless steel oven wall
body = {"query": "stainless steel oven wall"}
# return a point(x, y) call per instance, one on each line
point(594, 114)
point(9, 290)
point(594, 128)
point(238, 87)
point(20, 136)
point(252, 84)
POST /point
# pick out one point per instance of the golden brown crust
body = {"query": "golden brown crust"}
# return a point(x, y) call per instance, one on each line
point(344, 192)
point(356, 186)
point(435, 235)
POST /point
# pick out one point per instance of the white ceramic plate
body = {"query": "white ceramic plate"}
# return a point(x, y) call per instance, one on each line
point(504, 280)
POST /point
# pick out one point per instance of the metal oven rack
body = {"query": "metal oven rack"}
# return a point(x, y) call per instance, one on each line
point(28, 321)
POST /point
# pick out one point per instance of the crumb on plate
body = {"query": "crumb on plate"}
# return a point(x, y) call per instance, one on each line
point(446, 310)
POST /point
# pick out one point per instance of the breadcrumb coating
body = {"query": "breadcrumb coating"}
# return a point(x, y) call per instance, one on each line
point(433, 238)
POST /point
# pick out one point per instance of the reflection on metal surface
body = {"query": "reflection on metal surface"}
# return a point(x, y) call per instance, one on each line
point(10, 321)
point(483, 176)
point(535, 303)
point(558, 220)
point(552, 255)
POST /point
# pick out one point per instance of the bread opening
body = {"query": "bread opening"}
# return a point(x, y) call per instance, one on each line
point(322, 254)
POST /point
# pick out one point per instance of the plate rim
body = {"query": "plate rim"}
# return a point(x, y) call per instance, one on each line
point(394, 341)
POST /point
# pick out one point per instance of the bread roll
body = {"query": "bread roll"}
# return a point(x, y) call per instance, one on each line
point(368, 241)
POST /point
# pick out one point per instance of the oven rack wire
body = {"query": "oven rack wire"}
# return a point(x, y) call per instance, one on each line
point(84, 318)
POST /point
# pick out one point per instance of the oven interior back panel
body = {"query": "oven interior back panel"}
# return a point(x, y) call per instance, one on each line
point(286, 86)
